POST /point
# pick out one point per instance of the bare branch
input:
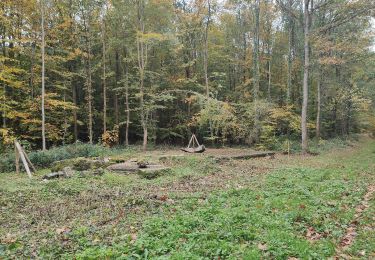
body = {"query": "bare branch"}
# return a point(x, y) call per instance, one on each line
point(289, 11)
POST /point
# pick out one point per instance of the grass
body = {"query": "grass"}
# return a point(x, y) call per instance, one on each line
point(287, 207)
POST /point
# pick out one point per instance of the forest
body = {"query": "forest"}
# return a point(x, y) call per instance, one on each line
point(187, 129)
point(155, 71)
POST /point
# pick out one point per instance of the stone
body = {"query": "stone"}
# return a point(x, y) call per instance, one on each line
point(153, 171)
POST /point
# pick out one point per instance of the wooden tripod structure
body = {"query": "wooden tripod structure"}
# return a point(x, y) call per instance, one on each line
point(194, 146)
point(21, 154)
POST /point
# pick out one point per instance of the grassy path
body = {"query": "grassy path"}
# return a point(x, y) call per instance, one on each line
point(285, 208)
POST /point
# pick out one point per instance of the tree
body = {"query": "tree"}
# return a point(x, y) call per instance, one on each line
point(306, 28)
point(256, 70)
point(206, 47)
point(231, 71)
point(43, 78)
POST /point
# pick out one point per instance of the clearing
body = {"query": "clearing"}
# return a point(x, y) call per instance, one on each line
point(285, 207)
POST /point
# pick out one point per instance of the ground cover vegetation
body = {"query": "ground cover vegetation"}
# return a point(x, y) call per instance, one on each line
point(152, 72)
point(289, 206)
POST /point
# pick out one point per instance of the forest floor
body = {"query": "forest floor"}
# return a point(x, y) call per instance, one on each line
point(288, 207)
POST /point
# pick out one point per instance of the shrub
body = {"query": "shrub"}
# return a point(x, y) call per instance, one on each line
point(111, 138)
point(46, 158)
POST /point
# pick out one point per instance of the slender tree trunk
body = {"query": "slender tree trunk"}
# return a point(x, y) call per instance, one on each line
point(104, 79)
point(269, 49)
point(43, 81)
point(125, 72)
point(4, 108)
point(348, 116)
point(127, 106)
point(305, 78)
point(269, 77)
point(86, 23)
point(3, 46)
point(89, 90)
point(290, 42)
point(65, 120)
point(32, 69)
point(75, 125)
point(205, 56)
point(142, 60)
point(318, 116)
point(117, 110)
point(256, 71)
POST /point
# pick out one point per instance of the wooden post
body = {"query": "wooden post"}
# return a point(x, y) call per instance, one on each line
point(24, 161)
point(191, 139)
point(196, 140)
point(17, 157)
point(29, 162)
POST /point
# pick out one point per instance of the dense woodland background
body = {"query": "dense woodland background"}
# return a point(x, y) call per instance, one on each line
point(233, 71)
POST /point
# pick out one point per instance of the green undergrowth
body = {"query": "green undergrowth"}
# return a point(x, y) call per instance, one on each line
point(116, 216)
point(315, 146)
point(364, 243)
point(43, 159)
point(267, 222)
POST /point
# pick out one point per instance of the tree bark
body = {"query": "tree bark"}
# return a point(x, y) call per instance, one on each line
point(104, 79)
point(86, 23)
point(75, 124)
point(318, 109)
point(43, 80)
point(118, 75)
point(269, 78)
point(142, 60)
point(290, 42)
point(205, 56)
point(4, 109)
point(305, 78)
point(32, 69)
point(256, 71)
point(127, 109)
point(89, 90)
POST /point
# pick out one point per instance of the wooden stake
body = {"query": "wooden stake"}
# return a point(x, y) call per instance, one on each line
point(191, 139)
point(196, 140)
point(22, 155)
point(28, 160)
point(17, 157)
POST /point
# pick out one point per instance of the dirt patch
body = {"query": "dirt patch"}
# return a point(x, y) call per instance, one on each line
point(232, 175)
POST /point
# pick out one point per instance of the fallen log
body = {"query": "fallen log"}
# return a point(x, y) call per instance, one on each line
point(244, 156)
point(198, 149)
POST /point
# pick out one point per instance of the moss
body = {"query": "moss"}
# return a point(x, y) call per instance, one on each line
point(149, 173)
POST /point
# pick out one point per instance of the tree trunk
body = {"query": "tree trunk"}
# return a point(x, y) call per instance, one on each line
point(290, 42)
point(318, 107)
point(86, 23)
point(104, 80)
point(269, 49)
point(32, 69)
point(75, 125)
point(305, 78)
point(89, 90)
point(4, 108)
point(142, 60)
point(269, 78)
point(256, 72)
point(205, 56)
point(127, 109)
point(117, 110)
point(43, 81)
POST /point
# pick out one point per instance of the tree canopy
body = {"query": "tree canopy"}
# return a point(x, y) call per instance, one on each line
point(233, 71)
